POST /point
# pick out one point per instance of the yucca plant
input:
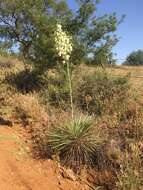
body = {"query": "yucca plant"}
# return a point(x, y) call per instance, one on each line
point(76, 142)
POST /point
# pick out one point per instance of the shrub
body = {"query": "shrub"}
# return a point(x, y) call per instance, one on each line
point(75, 142)
point(99, 93)
point(28, 110)
point(130, 176)
point(51, 87)
point(131, 122)
point(24, 81)
point(55, 91)
point(8, 67)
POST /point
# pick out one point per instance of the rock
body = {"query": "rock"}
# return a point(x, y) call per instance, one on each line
point(5, 122)
point(68, 174)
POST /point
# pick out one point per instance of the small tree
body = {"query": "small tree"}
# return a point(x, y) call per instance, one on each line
point(31, 24)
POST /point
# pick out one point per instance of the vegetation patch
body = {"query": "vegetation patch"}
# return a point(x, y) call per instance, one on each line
point(76, 142)
point(101, 93)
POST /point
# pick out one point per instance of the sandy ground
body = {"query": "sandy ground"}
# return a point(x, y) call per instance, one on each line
point(18, 171)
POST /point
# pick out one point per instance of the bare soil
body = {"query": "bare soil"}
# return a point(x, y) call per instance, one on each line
point(19, 171)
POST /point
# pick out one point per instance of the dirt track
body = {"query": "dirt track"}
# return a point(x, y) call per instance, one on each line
point(18, 171)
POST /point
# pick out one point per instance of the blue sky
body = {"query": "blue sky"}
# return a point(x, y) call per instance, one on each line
point(131, 30)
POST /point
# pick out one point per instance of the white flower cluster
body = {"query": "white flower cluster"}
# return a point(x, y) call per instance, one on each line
point(63, 44)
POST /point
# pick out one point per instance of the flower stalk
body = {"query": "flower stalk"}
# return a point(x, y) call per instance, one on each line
point(70, 89)
point(64, 47)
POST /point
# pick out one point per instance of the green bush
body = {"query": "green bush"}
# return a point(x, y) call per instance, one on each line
point(51, 86)
point(55, 91)
point(24, 81)
point(99, 93)
point(76, 142)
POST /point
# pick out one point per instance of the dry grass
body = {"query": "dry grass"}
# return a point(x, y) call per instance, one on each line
point(28, 110)
point(135, 74)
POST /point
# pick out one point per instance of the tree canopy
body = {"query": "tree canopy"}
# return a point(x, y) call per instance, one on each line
point(135, 58)
point(30, 24)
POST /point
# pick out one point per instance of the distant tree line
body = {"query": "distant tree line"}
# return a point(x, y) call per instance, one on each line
point(135, 58)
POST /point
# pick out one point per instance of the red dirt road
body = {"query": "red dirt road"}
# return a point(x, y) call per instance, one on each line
point(18, 171)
